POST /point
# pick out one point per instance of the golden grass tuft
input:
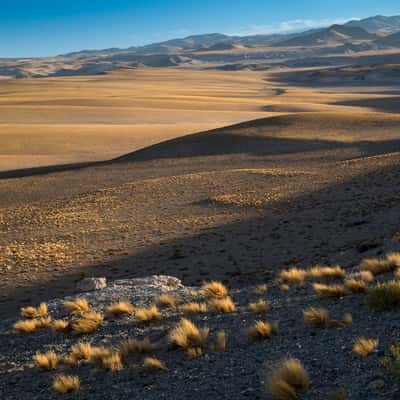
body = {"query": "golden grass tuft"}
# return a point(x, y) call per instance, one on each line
point(148, 314)
point(78, 306)
point(335, 272)
point(261, 289)
point(60, 325)
point(70, 360)
point(135, 346)
point(153, 364)
point(284, 287)
point(47, 361)
point(355, 285)
point(224, 305)
point(66, 384)
point(167, 300)
point(194, 308)
point(220, 341)
point(318, 317)
point(366, 276)
point(107, 358)
point(195, 352)
point(32, 325)
point(329, 291)
point(82, 351)
point(260, 307)
point(122, 308)
point(84, 326)
point(94, 316)
point(293, 276)
point(26, 326)
point(187, 335)
point(262, 330)
point(393, 260)
point(214, 289)
point(34, 312)
point(363, 347)
point(384, 296)
point(288, 377)
point(378, 266)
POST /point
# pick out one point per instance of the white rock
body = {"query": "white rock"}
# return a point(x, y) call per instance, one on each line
point(91, 284)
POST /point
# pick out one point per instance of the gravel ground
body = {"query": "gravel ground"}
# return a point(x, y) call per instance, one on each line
point(237, 373)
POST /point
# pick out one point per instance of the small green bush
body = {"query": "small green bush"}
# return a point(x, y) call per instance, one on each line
point(384, 296)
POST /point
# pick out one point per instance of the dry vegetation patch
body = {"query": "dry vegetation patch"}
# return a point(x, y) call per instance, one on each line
point(66, 384)
point(363, 347)
point(153, 364)
point(77, 307)
point(260, 307)
point(287, 379)
point(224, 305)
point(194, 308)
point(262, 330)
point(47, 361)
point(214, 289)
point(384, 296)
point(34, 312)
point(148, 314)
point(134, 346)
point(122, 308)
point(355, 285)
point(167, 300)
point(329, 291)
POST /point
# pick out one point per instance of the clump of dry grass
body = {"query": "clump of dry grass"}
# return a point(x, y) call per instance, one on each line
point(66, 384)
point(214, 289)
point(47, 361)
point(260, 307)
point(84, 326)
point(286, 379)
point(148, 314)
point(122, 308)
point(318, 317)
point(293, 276)
point(224, 305)
point(107, 358)
point(220, 341)
point(329, 291)
point(94, 316)
point(194, 308)
point(78, 306)
point(355, 285)
point(189, 337)
point(153, 364)
point(34, 312)
point(366, 276)
point(262, 330)
point(363, 347)
point(378, 266)
point(335, 272)
point(393, 260)
point(261, 289)
point(384, 296)
point(60, 325)
point(135, 346)
point(70, 360)
point(167, 300)
point(284, 287)
point(32, 325)
point(82, 351)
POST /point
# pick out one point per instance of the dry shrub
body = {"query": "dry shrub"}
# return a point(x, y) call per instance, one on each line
point(84, 326)
point(384, 296)
point(122, 308)
point(356, 285)
point(194, 308)
point(318, 317)
point(363, 347)
point(335, 272)
point(44, 322)
point(220, 341)
point(153, 364)
point(293, 276)
point(393, 260)
point(60, 325)
point(188, 336)
point(195, 352)
point(66, 384)
point(366, 276)
point(260, 307)
point(284, 287)
point(70, 360)
point(262, 330)
point(378, 266)
point(214, 289)
point(148, 314)
point(82, 351)
point(329, 291)
point(167, 300)
point(135, 346)
point(47, 361)
point(224, 305)
point(77, 307)
point(261, 289)
point(286, 379)
point(34, 312)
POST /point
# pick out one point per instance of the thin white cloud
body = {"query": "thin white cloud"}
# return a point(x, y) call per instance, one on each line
point(295, 25)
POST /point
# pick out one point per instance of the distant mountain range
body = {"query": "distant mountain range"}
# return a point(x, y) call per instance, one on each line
point(324, 46)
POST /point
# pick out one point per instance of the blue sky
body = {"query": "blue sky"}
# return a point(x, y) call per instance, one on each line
point(43, 28)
